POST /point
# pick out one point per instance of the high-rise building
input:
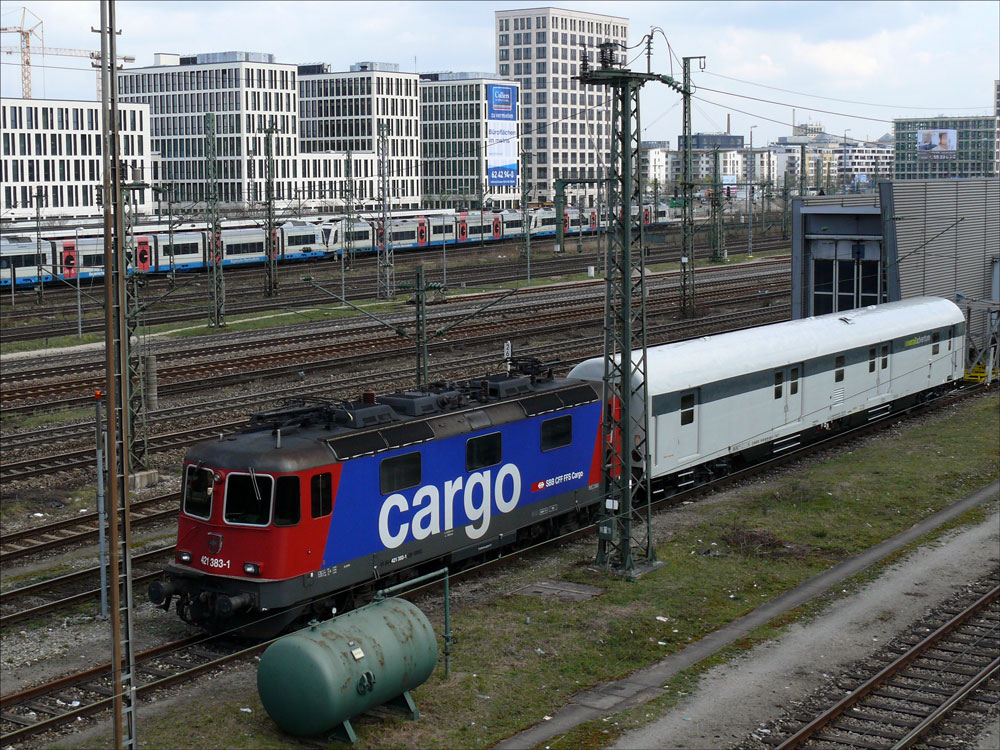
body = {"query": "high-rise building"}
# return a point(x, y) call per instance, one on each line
point(247, 92)
point(53, 147)
point(343, 111)
point(469, 140)
point(566, 125)
point(654, 158)
point(945, 147)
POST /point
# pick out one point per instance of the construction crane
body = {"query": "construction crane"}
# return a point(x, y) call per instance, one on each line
point(27, 29)
point(26, 33)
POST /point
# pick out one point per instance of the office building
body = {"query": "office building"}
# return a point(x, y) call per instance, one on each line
point(343, 111)
point(945, 147)
point(247, 92)
point(52, 153)
point(469, 140)
point(566, 126)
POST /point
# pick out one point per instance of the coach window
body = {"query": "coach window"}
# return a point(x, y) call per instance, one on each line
point(839, 364)
point(483, 451)
point(687, 409)
point(778, 379)
point(936, 339)
point(872, 356)
point(198, 492)
point(885, 356)
point(248, 499)
point(322, 495)
point(557, 432)
point(286, 501)
point(793, 382)
point(399, 472)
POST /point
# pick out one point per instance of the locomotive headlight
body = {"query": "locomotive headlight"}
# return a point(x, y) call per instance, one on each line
point(251, 569)
point(184, 557)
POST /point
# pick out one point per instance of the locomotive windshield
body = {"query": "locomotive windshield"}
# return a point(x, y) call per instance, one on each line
point(248, 498)
point(198, 491)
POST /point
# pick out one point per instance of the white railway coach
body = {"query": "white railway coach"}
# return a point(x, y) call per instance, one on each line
point(717, 399)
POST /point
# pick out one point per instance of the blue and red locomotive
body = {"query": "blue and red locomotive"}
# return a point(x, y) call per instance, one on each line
point(315, 500)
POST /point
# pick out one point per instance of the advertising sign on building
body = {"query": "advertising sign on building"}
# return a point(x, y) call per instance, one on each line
point(937, 144)
point(501, 135)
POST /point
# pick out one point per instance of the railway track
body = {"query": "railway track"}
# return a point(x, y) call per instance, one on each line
point(297, 294)
point(88, 692)
point(934, 677)
point(84, 528)
point(550, 324)
point(64, 591)
point(21, 390)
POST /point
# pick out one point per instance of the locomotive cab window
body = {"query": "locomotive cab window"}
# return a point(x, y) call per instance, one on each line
point(248, 499)
point(793, 381)
point(198, 492)
point(286, 501)
point(322, 495)
point(687, 409)
point(399, 472)
point(557, 432)
point(936, 343)
point(482, 451)
point(885, 356)
point(839, 364)
point(778, 380)
point(872, 356)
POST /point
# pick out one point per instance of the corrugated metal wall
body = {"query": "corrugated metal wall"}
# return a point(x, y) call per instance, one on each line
point(947, 235)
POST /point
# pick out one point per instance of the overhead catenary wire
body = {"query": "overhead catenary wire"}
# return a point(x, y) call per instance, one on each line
point(832, 98)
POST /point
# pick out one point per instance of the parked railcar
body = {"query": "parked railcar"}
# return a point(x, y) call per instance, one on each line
point(20, 258)
point(719, 401)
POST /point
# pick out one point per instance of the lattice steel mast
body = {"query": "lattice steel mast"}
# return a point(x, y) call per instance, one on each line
point(117, 390)
point(687, 195)
point(386, 264)
point(718, 235)
point(622, 531)
point(217, 314)
point(270, 225)
point(349, 215)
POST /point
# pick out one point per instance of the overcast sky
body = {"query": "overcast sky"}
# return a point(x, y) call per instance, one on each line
point(872, 61)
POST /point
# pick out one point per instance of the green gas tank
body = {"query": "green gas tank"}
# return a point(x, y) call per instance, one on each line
point(315, 680)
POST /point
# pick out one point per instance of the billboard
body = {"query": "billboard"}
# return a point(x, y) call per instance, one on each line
point(501, 135)
point(937, 144)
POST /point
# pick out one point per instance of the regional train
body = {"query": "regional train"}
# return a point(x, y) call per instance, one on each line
point(80, 255)
point(317, 503)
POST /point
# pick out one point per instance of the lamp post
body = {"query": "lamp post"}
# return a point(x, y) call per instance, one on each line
point(79, 308)
point(843, 167)
point(750, 171)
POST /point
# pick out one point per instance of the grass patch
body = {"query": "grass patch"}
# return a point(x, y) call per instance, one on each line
point(22, 421)
point(521, 658)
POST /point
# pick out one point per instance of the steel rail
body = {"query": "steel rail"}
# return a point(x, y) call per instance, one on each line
point(890, 670)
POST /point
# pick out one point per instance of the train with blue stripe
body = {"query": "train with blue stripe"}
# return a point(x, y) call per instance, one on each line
point(73, 255)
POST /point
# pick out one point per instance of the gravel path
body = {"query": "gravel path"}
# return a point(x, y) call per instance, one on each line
point(739, 697)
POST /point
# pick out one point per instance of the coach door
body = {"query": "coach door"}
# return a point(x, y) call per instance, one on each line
point(463, 230)
point(142, 254)
point(788, 391)
point(69, 260)
point(883, 368)
point(421, 232)
point(687, 426)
